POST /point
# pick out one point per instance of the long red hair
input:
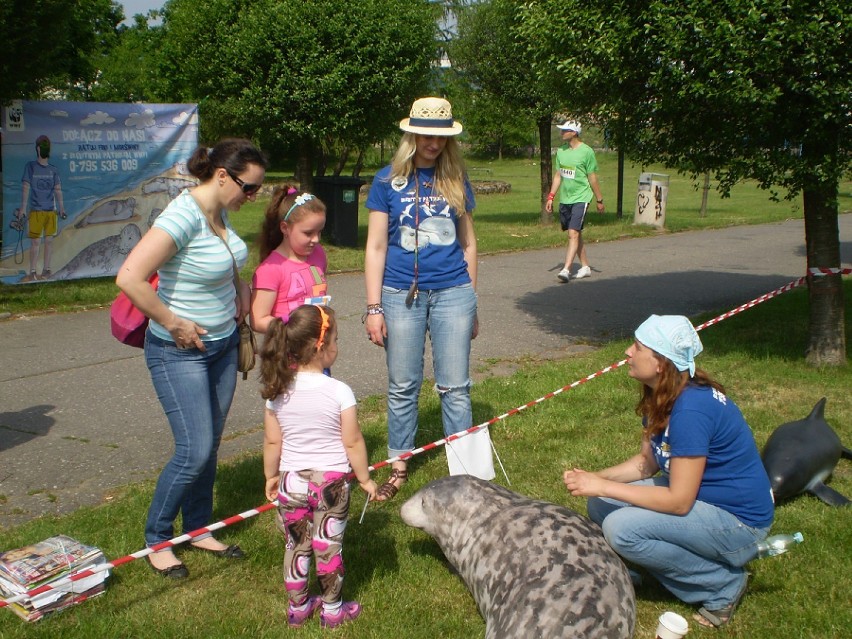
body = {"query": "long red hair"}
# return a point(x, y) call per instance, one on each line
point(655, 404)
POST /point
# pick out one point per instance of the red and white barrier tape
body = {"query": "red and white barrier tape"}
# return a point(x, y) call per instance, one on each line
point(87, 572)
point(611, 367)
point(816, 272)
point(514, 411)
point(431, 446)
point(754, 302)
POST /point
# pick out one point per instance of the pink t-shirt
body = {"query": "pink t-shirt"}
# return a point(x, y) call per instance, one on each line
point(309, 416)
point(292, 281)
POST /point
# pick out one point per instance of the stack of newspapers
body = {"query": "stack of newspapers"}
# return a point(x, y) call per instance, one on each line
point(47, 562)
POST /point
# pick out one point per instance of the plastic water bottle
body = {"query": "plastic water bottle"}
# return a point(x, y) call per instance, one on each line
point(777, 544)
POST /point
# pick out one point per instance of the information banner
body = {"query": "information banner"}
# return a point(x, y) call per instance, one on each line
point(95, 176)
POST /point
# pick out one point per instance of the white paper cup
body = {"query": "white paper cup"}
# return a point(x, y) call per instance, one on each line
point(672, 626)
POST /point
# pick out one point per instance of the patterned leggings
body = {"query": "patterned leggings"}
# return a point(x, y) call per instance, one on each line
point(313, 510)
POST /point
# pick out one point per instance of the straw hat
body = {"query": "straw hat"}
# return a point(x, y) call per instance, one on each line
point(431, 116)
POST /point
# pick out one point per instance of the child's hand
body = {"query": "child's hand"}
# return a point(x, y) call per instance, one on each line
point(369, 487)
point(272, 488)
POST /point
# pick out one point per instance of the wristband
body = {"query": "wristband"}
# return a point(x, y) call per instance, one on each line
point(600, 201)
point(550, 196)
point(372, 309)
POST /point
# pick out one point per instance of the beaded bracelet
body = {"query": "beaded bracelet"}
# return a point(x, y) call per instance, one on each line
point(372, 309)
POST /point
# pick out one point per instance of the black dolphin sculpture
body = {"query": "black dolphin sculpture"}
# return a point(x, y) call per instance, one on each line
point(799, 456)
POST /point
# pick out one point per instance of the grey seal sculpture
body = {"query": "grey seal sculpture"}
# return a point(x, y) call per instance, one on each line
point(535, 569)
point(799, 456)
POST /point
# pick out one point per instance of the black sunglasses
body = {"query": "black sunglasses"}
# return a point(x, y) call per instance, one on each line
point(248, 189)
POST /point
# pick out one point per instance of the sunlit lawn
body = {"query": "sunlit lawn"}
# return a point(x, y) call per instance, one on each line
point(505, 222)
point(399, 574)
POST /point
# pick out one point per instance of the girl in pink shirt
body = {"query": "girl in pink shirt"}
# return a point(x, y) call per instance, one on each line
point(311, 442)
point(293, 263)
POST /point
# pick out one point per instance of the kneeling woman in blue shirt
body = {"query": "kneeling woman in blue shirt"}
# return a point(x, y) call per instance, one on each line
point(696, 524)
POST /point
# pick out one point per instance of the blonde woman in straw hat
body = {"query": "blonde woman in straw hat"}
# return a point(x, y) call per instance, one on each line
point(420, 269)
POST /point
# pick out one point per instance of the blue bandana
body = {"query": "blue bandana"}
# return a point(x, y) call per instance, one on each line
point(673, 337)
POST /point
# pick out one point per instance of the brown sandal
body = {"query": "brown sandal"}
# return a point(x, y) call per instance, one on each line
point(389, 489)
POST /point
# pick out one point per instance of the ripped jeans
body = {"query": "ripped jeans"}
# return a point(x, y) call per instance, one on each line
point(447, 315)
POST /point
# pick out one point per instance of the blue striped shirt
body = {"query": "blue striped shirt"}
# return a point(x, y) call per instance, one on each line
point(198, 282)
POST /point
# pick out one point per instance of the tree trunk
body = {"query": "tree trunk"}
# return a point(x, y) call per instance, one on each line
point(826, 336)
point(704, 193)
point(305, 164)
point(321, 160)
point(342, 160)
point(546, 163)
point(359, 162)
point(619, 211)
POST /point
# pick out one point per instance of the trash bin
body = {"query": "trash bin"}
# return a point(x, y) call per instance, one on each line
point(651, 199)
point(340, 195)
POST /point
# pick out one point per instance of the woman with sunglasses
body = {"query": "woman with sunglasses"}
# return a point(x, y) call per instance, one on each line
point(192, 338)
point(420, 269)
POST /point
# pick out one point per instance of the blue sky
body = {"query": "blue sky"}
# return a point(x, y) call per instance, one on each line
point(132, 7)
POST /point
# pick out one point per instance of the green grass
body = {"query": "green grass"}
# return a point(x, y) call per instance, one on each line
point(398, 573)
point(509, 222)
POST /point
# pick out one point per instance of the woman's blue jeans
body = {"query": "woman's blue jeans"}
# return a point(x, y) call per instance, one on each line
point(698, 557)
point(195, 389)
point(447, 315)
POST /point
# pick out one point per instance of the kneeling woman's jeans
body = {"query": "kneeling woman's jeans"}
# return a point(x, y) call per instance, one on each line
point(195, 389)
point(447, 315)
point(698, 557)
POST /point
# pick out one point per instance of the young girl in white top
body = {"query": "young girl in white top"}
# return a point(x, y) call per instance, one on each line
point(312, 441)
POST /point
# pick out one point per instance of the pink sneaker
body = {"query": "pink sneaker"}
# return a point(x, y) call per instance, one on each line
point(296, 618)
point(348, 611)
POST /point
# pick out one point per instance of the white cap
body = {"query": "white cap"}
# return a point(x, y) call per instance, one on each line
point(571, 125)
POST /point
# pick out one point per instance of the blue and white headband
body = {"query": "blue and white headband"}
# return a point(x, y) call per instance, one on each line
point(304, 198)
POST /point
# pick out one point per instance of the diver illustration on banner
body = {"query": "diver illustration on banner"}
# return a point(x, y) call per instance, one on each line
point(84, 181)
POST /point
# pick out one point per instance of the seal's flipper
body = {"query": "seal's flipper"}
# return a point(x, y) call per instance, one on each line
point(829, 495)
point(845, 452)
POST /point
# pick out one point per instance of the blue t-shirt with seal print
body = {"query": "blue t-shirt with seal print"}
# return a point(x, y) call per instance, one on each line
point(440, 260)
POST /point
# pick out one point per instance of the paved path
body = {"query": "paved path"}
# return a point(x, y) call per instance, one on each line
point(78, 415)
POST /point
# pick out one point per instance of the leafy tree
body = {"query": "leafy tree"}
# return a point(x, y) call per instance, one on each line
point(734, 87)
point(493, 125)
point(53, 44)
point(291, 74)
point(492, 55)
point(130, 71)
point(575, 48)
